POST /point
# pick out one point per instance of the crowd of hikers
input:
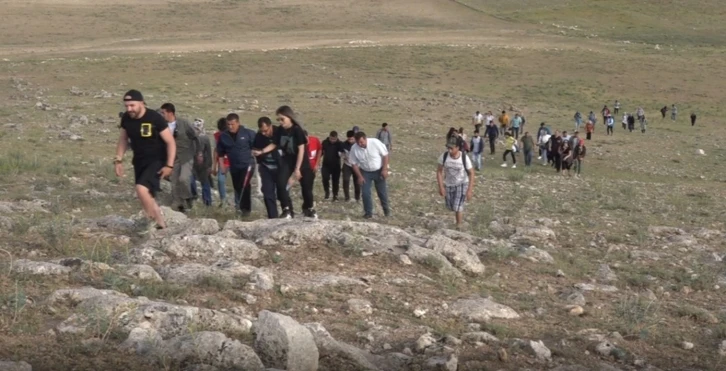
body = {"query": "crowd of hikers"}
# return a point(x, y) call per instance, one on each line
point(282, 156)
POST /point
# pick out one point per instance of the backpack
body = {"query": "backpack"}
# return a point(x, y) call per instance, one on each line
point(466, 146)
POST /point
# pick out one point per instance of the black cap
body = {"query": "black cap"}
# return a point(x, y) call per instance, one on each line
point(133, 96)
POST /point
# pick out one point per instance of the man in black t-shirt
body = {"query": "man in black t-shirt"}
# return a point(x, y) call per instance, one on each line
point(269, 166)
point(154, 150)
point(332, 148)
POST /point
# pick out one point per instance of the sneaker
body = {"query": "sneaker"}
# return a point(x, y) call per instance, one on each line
point(539, 158)
point(367, 216)
point(244, 213)
point(347, 199)
point(286, 214)
point(504, 165)
point(310, 213)
point(327, 197)
point(335, 199)
point(514, 166)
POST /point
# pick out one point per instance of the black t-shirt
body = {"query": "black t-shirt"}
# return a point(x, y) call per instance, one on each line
point(269, 159)
point(331, 152)
point(288, 140)
point(145, 136)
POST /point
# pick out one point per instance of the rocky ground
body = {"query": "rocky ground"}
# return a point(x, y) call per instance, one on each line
point(344, 295)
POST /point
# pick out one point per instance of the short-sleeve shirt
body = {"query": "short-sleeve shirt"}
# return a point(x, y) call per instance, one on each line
point(145, 136)
point(314, 148)
point(269, 159)
point(369, 158)
point(331, 152)
point(456, 171)
point(288, 140)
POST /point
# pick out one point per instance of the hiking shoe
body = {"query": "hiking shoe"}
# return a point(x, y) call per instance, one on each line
point(539, 158)
point(335, 199)
point(327, 197)
point(286, 214)
point(367, 216)
point(504, 165)
point(514, 166)
point(243, 213)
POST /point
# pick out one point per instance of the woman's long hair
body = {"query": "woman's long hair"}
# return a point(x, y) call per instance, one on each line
point(288, 112)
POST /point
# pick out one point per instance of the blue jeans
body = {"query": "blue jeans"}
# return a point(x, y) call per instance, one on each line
point(544, 155)
point(527, 157)
point(477, 161)
point(222, 186)
point(206, 190)
point(374, 177)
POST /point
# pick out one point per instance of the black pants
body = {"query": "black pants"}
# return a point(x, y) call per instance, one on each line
point(610, 130)
point(693, 121)
point(515, 132)
point(504, 156)
point(589, 136)
point(491, 144)
point(242, 191)
point(307, 181)
point(331, 171)
point(617, 110)
point(272, 190)
point(347, 175)
point(558, 162)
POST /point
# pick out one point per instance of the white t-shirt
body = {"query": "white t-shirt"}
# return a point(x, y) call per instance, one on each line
point(490, 118)
point(369, 158)
point(455, 173)
point(478, 118)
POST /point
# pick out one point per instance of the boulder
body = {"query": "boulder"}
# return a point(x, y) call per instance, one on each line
point(15, 366)
point(193, 274)
point(212, 348)
point(457, 253)
point(340, 353)
point(39, 268)
point(208, 248)
point(432, 259)
point(138, 271)
point(283, 343)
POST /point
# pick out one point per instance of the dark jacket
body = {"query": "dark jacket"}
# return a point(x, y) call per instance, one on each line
point(238, 148)
point(187, 142)
point(492, 132)
point(201, 170)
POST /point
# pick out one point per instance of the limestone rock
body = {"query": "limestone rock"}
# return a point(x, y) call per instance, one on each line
point(442, 363)
point(432, 259)
point(457, 253)
point(539, 350)
point(15, 366)
point(481, 310)
point(39, 268)
point(360, 306)
point(283, 343)
point(536, 255)
point(139, 271)
point(213, 348)
point(209, 248)
point(341, 353)
point(225, 271)
point(479, 337)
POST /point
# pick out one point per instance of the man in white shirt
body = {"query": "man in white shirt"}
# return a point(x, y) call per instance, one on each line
point(477, 120)
point(369, 158)
point(455, 176)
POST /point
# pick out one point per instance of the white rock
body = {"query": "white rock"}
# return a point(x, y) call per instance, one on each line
point(283, 343)
point(424, 341)
point(442, 363)
point(39, 268)
point(360, 306)
point(15, 366)
point(687, 345)
point(419, 312)
point(540, 351)
point(482, 310)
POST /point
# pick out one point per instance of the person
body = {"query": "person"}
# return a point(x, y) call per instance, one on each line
point(574, 139)
point(610, 122)
point(455, 177)
point(236, 143)
point(578, 155)
point(578, 120)
point(477, 120)
point(605, 113)
point(640, 113)
point(315, 152)
point(489, 119)
point(663, 111)
point(674, 112)
point(464, 142)
point(348, 169)
point(147, 133)
point(503, 121)
point(616, 107)
point(385, 136)
point(589, 128)
point(631, 123)
point(555, 150)
point(625, 120)
point(693, 118)
point(544, 152)
point(565, 136)
point(592, 117)
point(451, 133)
point(332, 149)
point(187, 144)
point(516, 124)
point(291, 140)
point(477, 148)
point(510, 147)
point(492, 132)
point(273, 189)
point(369, 158)
point(566, 156)
point(541, 132)
point(203, 163)
point(643, 124)
point(223, 164)
point(527, 148)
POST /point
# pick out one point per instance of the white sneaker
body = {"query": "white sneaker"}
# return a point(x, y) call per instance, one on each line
point(514, 166)
point(504, 165)
point(539, 158)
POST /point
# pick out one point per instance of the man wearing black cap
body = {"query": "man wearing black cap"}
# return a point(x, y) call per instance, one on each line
point(154, 151)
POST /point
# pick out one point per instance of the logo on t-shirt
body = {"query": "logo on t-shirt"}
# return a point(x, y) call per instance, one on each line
point(146, 129)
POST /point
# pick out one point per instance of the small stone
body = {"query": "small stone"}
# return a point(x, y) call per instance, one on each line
point(560, 273)
point(686, 290)
point(575, 310)
point(424, 341)
point(387, 346)
point(419, 312)
point(502, 355)
point(722, 349)
point(604, 348)
point(687, 345)
point(452, 340)
point(404, 259)
point(360, 306)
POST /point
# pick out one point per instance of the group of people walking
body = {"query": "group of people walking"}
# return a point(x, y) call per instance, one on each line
point(280, 156)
